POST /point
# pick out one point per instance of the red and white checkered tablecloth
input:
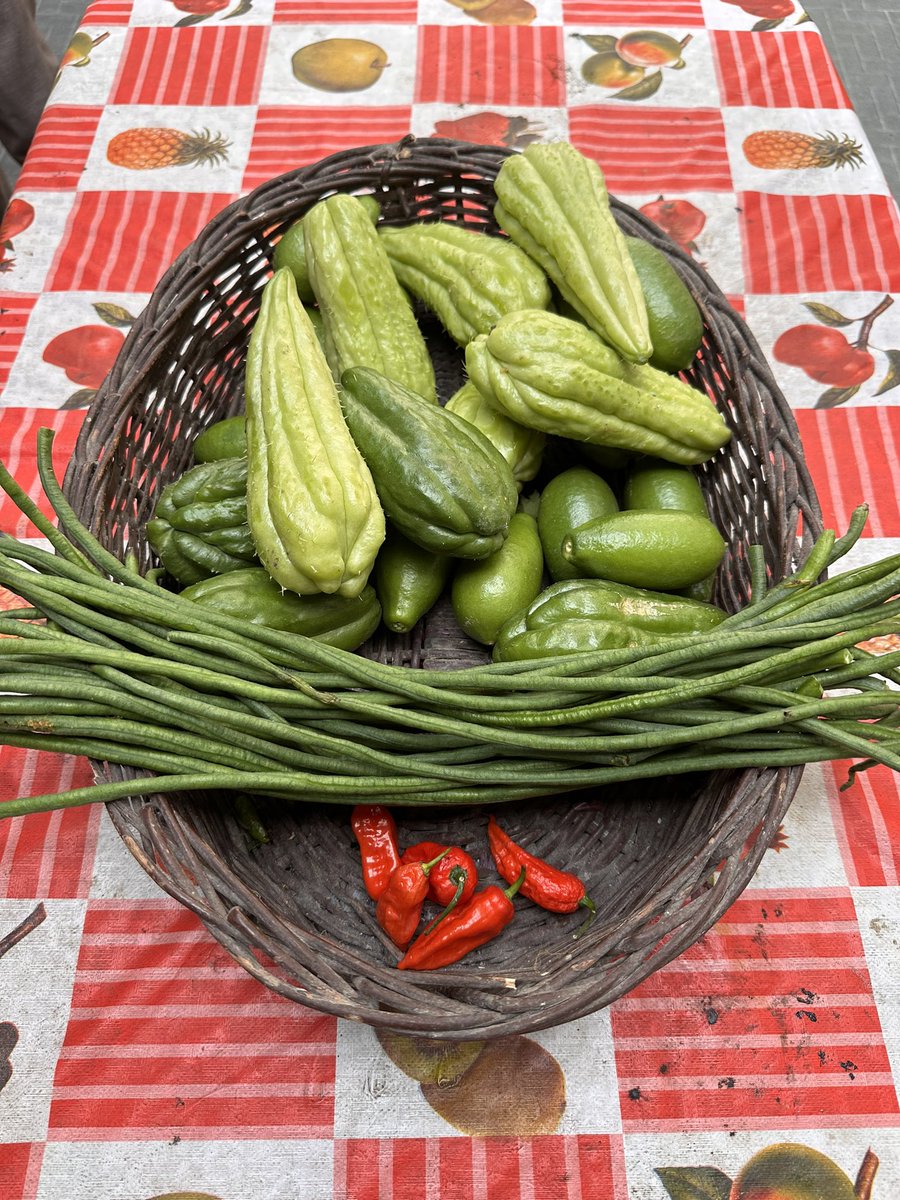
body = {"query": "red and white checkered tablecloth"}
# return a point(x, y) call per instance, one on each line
point(136, 1058)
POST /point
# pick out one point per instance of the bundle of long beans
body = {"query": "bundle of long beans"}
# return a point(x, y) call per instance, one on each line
point(106, 663)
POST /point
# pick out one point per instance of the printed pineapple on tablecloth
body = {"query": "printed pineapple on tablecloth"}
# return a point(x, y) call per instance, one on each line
point(801, 150)
point(177, 149)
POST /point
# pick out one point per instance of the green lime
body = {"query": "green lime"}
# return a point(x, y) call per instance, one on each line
point(664, 551)
point(569, 500)
point(487, 592)
point(224, 439)
point(653, 483)
point(408, 579)
point(676, 326)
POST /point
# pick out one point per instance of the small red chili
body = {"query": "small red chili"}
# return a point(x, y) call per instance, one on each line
point(444, 879)
point(553, 889)
point(451, 936)
point(399, 906)
point(376, 833)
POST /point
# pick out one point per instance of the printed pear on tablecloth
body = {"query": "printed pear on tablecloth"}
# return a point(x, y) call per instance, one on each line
point(356, 66)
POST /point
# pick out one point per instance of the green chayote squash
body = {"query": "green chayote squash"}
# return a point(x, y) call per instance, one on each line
point(311, 501)
point(199, 527)
point(523, 448)
point(440, 481)
point(468, 279)
point(553, 202)
point(573, 616)
point(554, 374)
point(367, 317)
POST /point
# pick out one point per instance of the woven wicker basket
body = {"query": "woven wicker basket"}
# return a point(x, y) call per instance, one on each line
point(662, 860)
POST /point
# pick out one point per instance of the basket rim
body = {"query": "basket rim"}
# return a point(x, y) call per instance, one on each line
point(142, 824)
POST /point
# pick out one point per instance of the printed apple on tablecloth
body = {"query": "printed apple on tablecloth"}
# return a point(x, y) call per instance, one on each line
point(87, 352)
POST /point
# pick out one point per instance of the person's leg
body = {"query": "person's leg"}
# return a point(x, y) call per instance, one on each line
point(27, 69)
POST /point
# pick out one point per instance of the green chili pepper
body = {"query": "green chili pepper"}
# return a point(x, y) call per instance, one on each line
point(200, 526)
point(574, 615)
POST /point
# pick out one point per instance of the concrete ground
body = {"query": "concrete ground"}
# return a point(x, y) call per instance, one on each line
point(863, 37)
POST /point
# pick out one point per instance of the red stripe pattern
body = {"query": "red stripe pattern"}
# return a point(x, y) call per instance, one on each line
point(551, 1167)
point(768, 1022)
point(658, 150)
point(790, 243)
point(18, 433)
point(59, 152)
point(838, 447)
point(168, 1036)
point(15, 310)
point(208, 66)
point(496, 64)
point(124, 241)
point(333, 12)
point(636, 14)
point(20, 1165)
point(108, 12)
point(50, 855)
point(867, 817)
point(777, 70)
point(284, 138)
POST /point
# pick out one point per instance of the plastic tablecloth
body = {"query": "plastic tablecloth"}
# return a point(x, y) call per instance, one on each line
point(136, 1058)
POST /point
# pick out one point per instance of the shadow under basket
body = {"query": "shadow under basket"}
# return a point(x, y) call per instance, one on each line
point(662, 859)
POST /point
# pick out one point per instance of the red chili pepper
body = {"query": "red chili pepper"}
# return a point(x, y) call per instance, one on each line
point(443, 881)
point(399, 906)
point(452, 936)
point(376, 832)
point(551, 888)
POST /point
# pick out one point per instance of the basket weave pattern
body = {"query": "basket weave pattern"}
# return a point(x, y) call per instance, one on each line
point(662, 859)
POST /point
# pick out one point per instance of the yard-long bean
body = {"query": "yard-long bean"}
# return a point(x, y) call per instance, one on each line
point(104, 662)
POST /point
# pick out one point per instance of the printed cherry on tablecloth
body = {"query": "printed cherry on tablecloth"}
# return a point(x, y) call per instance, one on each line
point(828, 356)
